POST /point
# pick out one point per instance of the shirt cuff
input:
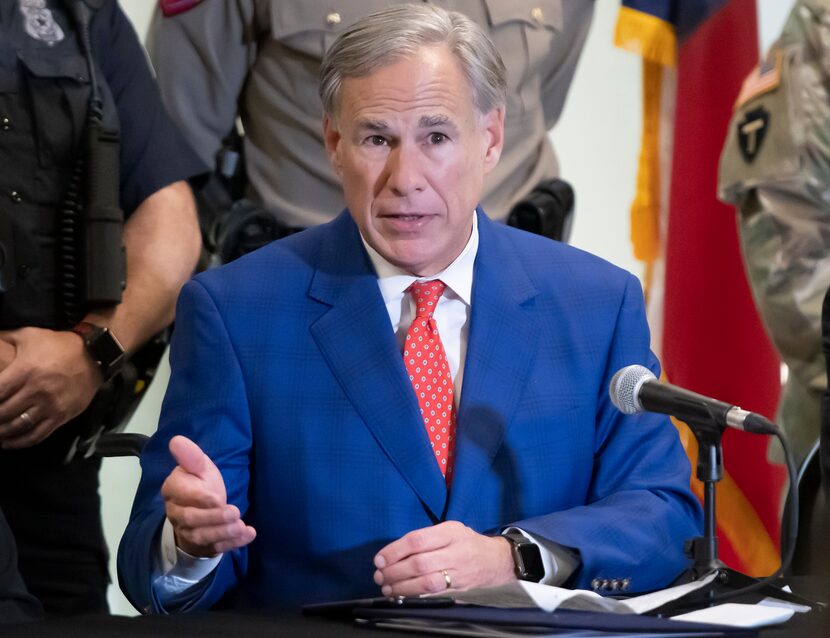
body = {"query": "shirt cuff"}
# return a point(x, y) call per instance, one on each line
point(179, 570)
point(559, 562)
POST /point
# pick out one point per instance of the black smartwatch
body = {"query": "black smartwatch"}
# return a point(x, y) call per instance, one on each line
point(526, 557)
point(102, 346)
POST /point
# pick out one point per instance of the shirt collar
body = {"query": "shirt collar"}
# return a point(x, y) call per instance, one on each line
point(458, 276)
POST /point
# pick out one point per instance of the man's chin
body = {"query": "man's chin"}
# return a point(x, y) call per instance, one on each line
point(419, 263)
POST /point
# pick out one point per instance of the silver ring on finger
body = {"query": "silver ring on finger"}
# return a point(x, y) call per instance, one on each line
point(24, 416)
point(447, 578)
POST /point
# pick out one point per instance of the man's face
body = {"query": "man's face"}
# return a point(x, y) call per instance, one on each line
point(411, 152)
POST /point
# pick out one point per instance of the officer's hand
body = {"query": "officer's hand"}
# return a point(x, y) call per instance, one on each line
point(7, 352)
point(196, 504)
point(416, 563)
point(51, 379)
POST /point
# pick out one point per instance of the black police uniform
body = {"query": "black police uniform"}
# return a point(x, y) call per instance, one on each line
point(53, 507)
point(16, 604)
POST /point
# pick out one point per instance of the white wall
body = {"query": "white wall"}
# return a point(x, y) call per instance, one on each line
point(598, 142)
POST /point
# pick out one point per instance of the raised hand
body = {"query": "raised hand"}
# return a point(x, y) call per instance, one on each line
point(195, 501)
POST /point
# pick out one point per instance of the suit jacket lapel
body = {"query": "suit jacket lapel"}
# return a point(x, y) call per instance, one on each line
point(500, 349)
point(357, 341)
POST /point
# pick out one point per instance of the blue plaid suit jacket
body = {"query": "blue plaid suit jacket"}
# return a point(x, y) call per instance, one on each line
point(286, 371)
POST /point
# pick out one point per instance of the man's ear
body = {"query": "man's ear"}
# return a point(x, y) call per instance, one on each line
point(331, 139)
point(493, 124)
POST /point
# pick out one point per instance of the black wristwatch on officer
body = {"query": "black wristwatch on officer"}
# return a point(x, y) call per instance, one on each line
point(527, 558)
point(102, 346)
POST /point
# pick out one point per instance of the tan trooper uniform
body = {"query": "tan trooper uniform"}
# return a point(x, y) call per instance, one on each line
point(776, 168)
point(260, 58)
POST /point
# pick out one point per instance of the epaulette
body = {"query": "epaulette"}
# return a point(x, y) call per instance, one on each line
point(174, 7)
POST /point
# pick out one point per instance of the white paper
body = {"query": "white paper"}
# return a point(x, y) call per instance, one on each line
point(739, 615)
point(777, 602)
point(524, 594)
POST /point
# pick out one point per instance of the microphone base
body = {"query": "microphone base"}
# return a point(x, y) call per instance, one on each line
point(727, 581)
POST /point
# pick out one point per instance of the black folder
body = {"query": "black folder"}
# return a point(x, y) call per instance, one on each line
point(471, 620)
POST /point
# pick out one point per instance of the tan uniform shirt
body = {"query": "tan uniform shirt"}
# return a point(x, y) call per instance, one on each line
point(260, 59)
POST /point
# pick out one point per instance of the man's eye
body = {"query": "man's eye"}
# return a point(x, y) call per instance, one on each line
point(376, 140)
point(437, 138)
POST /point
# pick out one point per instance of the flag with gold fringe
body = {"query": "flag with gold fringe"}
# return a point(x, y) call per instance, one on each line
point(705, 327)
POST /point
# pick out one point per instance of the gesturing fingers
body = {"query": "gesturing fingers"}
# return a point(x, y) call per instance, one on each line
point(209, 540)
point(185, 489)
point(195, 502)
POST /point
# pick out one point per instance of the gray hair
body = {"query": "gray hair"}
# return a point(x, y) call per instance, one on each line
point(388, 35)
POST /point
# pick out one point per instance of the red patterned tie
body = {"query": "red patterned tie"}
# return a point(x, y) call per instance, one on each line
point(429, 372)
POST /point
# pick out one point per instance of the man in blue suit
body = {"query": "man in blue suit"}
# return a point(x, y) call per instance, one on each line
point(312, 461)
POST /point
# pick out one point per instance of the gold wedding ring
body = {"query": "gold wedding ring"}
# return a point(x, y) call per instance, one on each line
point(24, 416)
point(447, 578)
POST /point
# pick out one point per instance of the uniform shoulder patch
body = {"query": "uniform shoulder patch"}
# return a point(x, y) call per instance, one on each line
point(764, 78)
point(175, 7)
point(752, 129)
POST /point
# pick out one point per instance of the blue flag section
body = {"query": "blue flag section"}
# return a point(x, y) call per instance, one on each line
point(683, 15)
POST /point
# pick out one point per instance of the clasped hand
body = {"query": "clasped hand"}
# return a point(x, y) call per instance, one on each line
point(46, 379)
point(449, 555)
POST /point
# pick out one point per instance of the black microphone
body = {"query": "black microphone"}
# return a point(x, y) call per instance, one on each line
point(635, 389)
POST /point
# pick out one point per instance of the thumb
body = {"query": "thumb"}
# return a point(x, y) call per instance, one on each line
point(190, 457)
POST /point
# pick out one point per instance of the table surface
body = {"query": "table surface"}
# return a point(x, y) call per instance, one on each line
point(292, 624)
point(281, 625)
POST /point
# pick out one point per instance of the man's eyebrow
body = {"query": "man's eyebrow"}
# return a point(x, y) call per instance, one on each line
point(430, 121)
point(373, 125)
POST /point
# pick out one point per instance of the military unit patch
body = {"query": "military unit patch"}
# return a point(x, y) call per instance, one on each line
point(752, 130)
point(39, 22)
point(174, 7)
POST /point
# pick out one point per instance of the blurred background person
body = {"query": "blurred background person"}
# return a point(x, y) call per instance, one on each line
point(258, 60)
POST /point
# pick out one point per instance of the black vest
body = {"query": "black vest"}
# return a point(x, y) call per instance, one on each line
point(44, 96)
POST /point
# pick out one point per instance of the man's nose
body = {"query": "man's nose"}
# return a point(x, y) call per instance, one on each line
point(405, 171)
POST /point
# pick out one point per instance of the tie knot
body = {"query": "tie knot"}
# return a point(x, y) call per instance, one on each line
point(426, 295)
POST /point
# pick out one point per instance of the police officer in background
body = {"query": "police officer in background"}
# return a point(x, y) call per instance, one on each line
point(16, 604)
point(775, 168)
point(73, 78)
point(259, 60)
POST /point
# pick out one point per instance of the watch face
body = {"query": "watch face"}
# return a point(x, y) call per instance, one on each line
point(526, 557)
point(533, 568)
point(106, 349)
point(102, 346)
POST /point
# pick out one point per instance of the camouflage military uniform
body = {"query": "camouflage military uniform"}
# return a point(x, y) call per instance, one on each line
point(776, 168)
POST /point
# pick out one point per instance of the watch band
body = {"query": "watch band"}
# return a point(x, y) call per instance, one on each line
point(103, 346)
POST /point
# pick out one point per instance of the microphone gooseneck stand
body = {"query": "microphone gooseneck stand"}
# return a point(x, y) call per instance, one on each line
point(729, 583)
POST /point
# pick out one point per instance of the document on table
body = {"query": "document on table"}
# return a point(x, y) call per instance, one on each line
point(527, 595)
point(524, 594)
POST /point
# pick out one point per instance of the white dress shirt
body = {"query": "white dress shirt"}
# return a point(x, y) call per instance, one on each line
point(179, 570)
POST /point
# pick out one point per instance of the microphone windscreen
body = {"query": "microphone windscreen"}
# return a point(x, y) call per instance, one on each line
point(625, 388)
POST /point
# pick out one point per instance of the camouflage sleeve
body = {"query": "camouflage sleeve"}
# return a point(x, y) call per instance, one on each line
point(776, 169)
